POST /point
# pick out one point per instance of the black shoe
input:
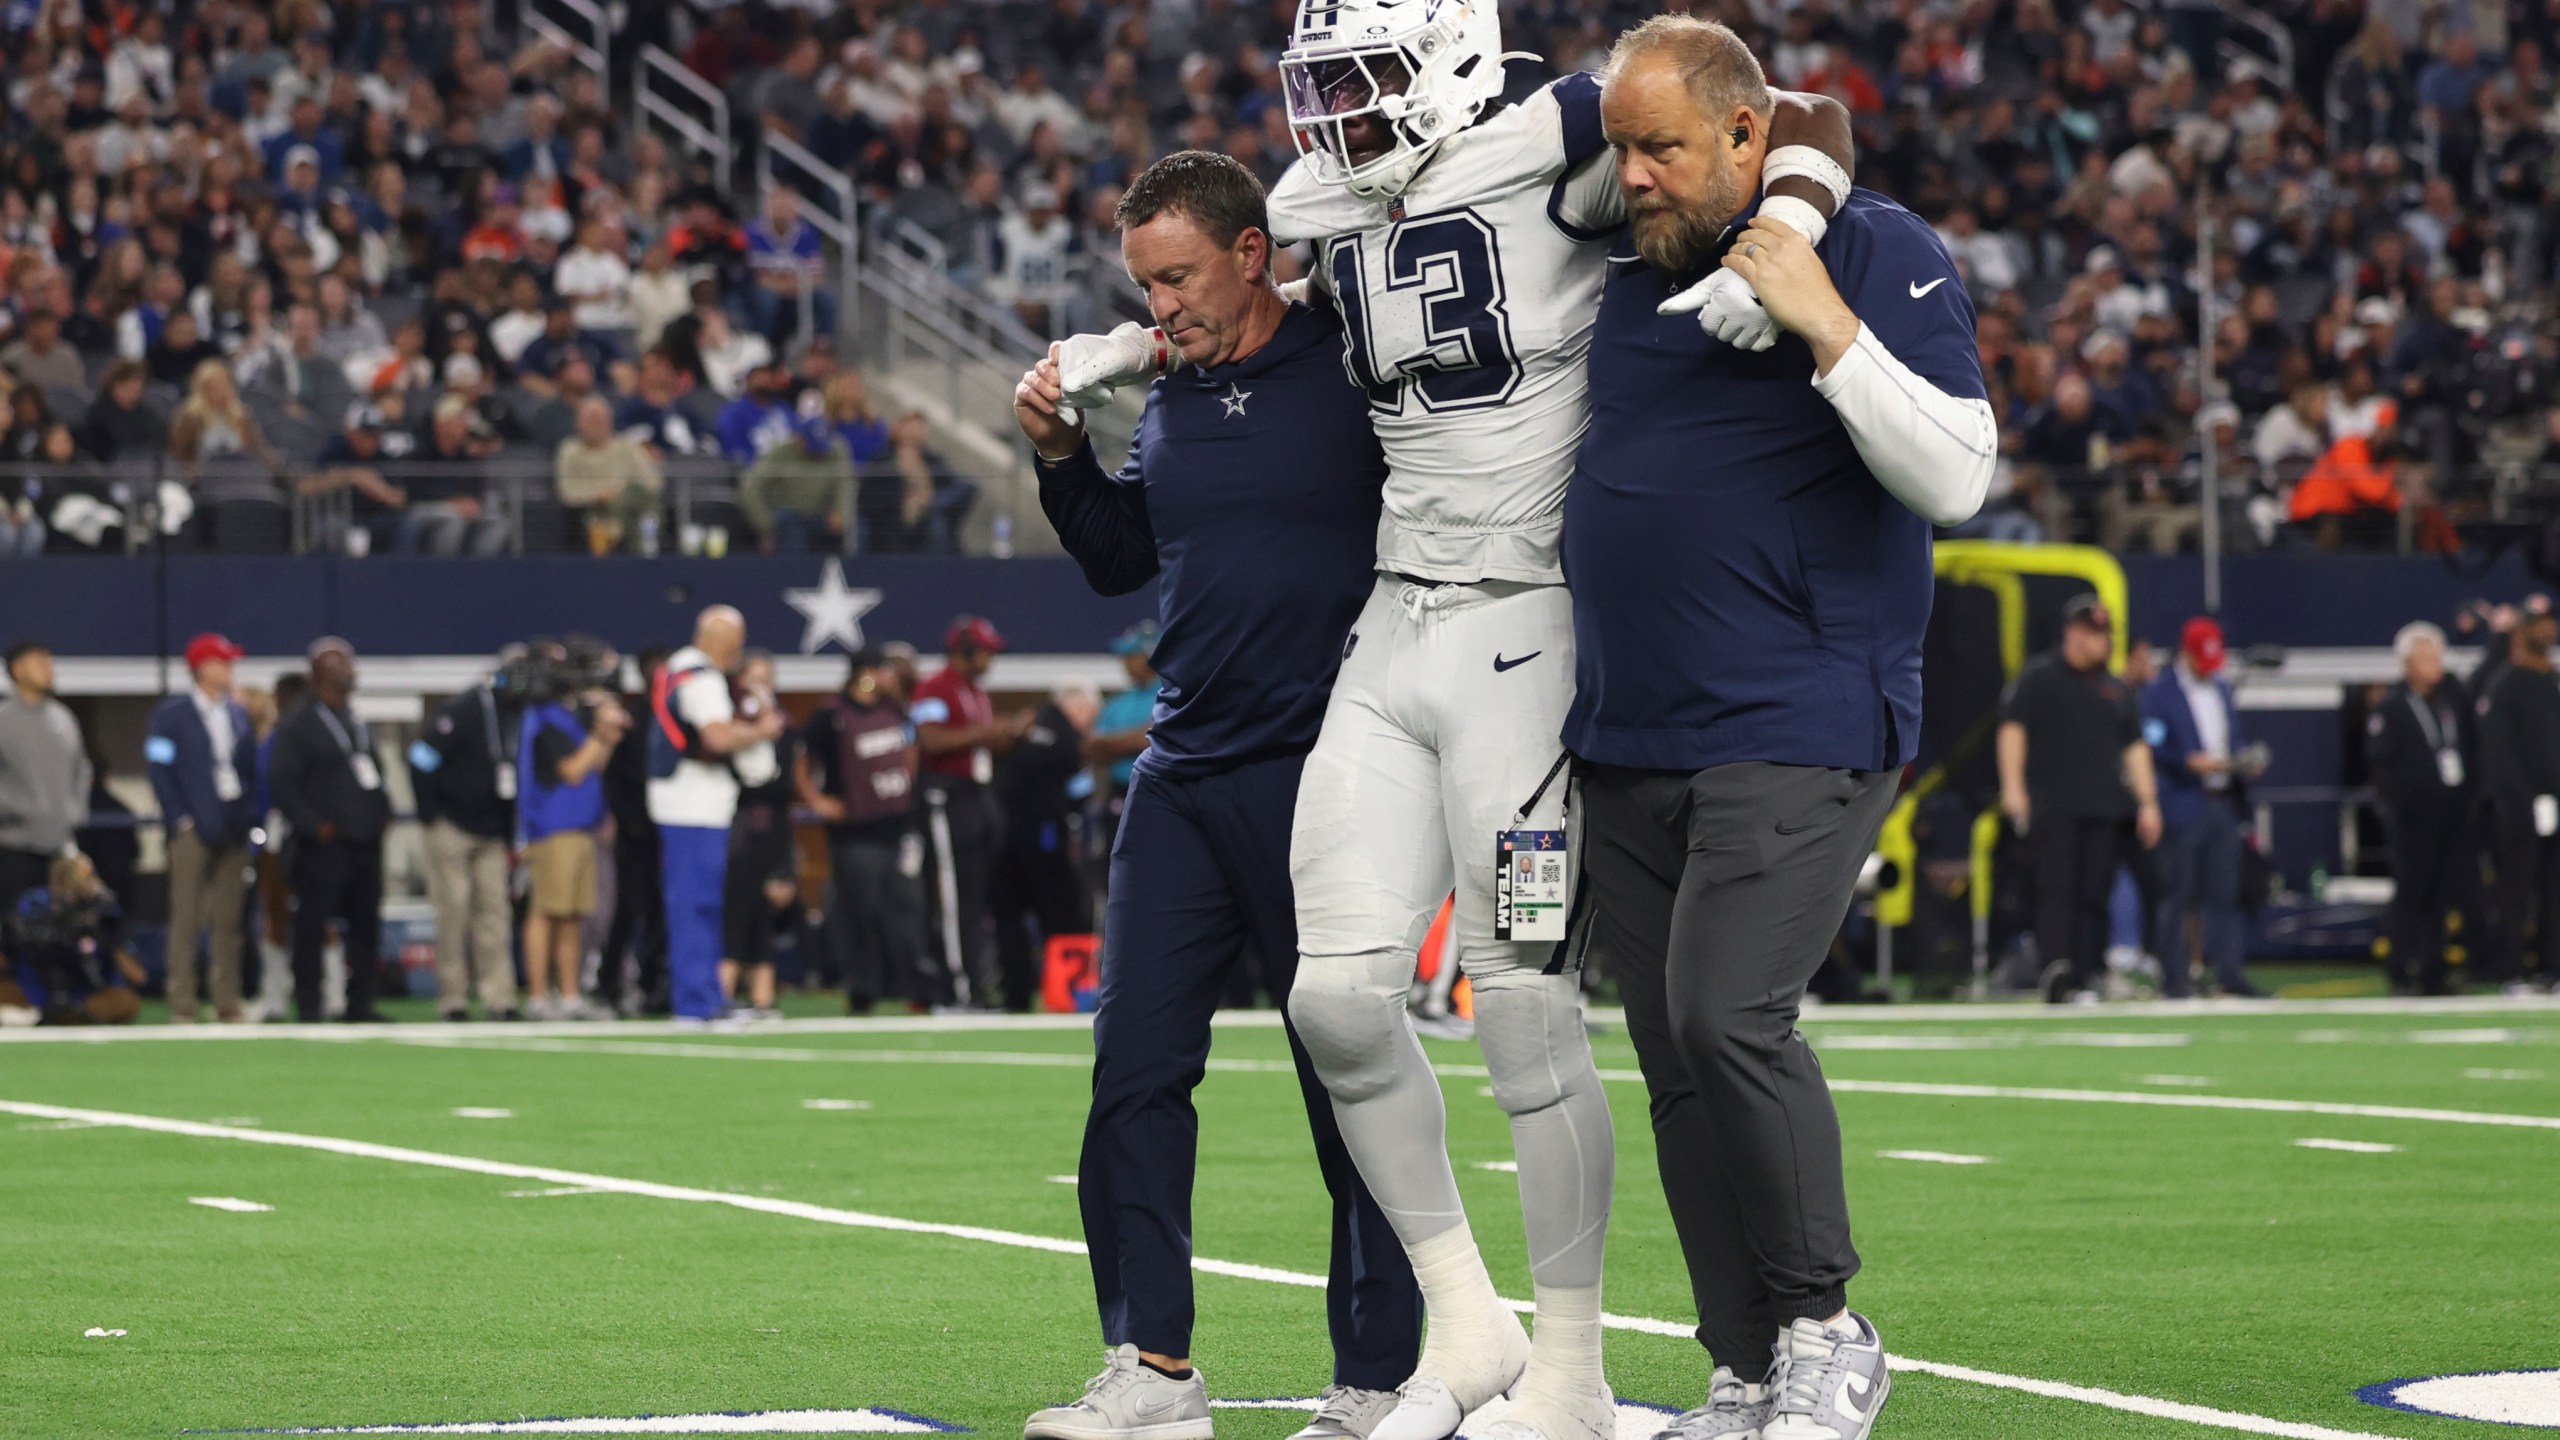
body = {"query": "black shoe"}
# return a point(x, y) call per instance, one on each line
point(510, 1013)
point(366, 1017)
point(453, 1016)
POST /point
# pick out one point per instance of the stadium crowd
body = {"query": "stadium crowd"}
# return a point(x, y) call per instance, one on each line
point(404, 257)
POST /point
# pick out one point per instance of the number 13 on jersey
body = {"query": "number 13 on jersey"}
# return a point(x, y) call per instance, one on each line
point(1424, 308)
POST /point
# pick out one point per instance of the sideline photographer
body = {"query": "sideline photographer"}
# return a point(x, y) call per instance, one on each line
point(569, 735)
point(66, 942)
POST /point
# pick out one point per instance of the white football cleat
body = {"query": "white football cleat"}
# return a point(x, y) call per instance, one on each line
point(1432, 1406)
point(1593, 1417)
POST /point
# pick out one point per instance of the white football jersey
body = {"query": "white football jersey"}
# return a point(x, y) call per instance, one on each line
point(1467, 304)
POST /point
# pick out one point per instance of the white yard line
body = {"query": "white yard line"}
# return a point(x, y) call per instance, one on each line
point(2193, 1102)
point(829, 1215)
point(1934, 1157)
point(1628, 1077)
point(2351, 1147)
point(482, 1112)
point(231, 1203)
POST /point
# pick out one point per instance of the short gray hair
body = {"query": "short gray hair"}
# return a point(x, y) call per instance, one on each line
point(2412, 635)
point(1720, 71)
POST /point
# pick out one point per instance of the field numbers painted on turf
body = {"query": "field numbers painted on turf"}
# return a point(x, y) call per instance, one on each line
point(481, 1112)
point(1934, 1157)
point(2351, 1147)
point(231, 1203)
point(835, 1104)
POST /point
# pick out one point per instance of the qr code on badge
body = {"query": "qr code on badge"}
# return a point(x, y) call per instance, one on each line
point(1549, 870)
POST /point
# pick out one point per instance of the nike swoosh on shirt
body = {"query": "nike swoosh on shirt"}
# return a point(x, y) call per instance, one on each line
point(1500, 664)
point(1918, 289)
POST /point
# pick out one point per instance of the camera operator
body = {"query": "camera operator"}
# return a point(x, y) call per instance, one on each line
point(67, 939)
point(464, 765)
point(569, 736)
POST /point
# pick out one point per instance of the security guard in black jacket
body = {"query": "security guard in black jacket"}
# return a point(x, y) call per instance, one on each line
point(2520, 761)
point(2422, 747)
point(327, 779)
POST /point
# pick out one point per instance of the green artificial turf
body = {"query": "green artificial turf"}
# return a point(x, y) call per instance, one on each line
point(2185, 1254)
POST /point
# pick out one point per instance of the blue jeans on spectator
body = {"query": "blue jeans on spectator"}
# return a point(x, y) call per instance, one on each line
point(776, 315)
point(2200, 871)
point(695, 860)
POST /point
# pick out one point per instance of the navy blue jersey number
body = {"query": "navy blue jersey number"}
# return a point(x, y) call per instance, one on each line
point(1437, 326)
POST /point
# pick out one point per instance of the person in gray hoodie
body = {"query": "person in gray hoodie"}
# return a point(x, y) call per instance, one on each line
point(44, 773)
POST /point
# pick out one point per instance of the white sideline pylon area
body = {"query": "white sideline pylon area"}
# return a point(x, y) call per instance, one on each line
point(2203, 1415)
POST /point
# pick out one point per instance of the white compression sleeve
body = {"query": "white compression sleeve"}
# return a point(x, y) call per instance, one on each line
point(1932, 450)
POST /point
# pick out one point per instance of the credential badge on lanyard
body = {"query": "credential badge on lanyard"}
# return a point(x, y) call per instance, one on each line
point(2442, 739)
point(368, 774)
point(1529, 870)
point(502, 769)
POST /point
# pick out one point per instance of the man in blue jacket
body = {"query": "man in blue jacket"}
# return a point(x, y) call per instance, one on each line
point(1251, 497)
point(202, 757)
point(1747, 536)
point(2193, 728)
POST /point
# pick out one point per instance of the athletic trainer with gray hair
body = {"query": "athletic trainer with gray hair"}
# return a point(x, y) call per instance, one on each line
point(1747, 537)
point(1251, 497)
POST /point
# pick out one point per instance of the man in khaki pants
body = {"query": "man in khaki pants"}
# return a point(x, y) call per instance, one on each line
point(201, 754)
point(464, 766)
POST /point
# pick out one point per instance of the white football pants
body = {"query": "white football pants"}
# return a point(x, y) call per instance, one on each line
point(1444, 720)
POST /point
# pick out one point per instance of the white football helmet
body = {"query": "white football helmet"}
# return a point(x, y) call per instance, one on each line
point(1424, 68)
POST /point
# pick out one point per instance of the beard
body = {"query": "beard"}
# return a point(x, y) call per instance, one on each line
point(1676, 239)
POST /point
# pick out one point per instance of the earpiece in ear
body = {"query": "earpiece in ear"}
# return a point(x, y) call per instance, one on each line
point(1740, 133)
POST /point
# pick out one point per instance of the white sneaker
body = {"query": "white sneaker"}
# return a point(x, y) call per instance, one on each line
point(542, 1007)
point(1731, 1412)
point(1826, 1387)
point(1343, 1413)
point(1429, 1407)
point(1128, 1401)
point(2519, 990)
point(1594, 1417)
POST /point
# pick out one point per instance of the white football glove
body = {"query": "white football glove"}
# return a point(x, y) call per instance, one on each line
point(1091, 368)
point(1728, 309)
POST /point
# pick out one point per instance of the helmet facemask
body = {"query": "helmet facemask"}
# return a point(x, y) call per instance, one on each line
point(1417, 88)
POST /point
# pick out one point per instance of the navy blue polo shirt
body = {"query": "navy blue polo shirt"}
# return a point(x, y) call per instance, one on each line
point(1253, 490)
point(1743, 588)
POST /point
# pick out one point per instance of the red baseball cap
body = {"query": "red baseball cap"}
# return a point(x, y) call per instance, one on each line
point(211, 646)
point(975, 631)
point(2202, 644)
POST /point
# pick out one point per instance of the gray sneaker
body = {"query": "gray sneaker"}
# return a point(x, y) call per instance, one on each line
point(1825, 1387)
point(1343, 1413)
point(1731, 1412)
point(1128, 1401)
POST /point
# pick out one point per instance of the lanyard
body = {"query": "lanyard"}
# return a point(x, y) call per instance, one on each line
point(329, 718)
point(1521, 816)
point(2427, 721)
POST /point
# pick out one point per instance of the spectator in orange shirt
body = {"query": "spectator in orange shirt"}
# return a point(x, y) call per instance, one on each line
point(2353, 491)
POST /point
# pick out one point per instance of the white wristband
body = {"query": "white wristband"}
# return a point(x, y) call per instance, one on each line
point(1808, 222)
point(1808, 163)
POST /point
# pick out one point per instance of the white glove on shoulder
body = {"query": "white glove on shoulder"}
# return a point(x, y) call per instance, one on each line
point(1728, 309)
point(1091, 368)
